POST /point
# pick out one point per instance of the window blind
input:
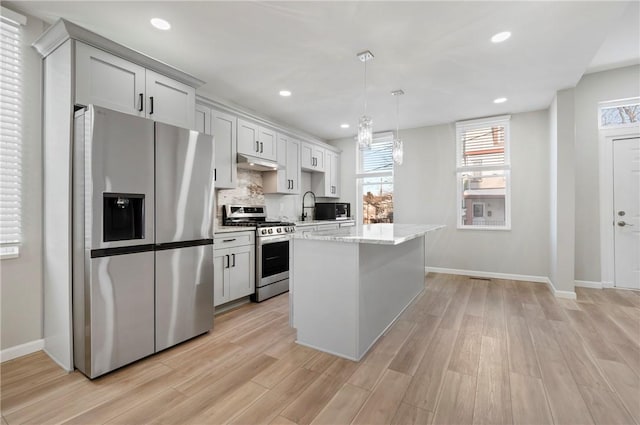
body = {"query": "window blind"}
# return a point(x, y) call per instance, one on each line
point(10, 132)
point(379, 157)
point(482, 146)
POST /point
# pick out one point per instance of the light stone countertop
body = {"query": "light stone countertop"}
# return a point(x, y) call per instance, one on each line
point(228, 229)
point(382, 233)
point(318, 222)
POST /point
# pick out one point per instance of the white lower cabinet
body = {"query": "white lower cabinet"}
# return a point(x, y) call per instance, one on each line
point(233, 266)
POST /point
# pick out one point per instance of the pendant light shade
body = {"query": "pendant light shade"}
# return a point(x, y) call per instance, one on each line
point(365, 125)
point(398, 145)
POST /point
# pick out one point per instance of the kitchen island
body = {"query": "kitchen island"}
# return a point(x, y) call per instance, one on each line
point(350, 284)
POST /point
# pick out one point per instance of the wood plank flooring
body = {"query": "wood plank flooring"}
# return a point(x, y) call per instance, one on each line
point(467, 351)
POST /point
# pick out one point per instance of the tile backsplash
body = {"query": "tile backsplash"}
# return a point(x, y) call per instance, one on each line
point(249, 192)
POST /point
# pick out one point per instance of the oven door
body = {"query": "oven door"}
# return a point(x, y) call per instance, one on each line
point(273, 259)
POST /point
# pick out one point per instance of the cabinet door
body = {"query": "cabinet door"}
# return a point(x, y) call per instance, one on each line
point(293, 165)
point(283, 184)
point(170, 101)
point(224, 133)
point(107, 80)
point(248, 142)
point(203, 119)
point(335, 173)
point(221, 257)
point(242, 272)
point(268, 145)
point(319, 158)
point(306, 156)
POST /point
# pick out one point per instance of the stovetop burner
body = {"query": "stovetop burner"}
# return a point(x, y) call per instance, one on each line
point(254, 216)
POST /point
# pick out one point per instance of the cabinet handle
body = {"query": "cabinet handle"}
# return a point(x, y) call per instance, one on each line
point(141, 102)
point(257, 146)
point(261, 147)
point(215, 174)
point(228, 240)
point(151, 107)
point(234, 260)
point(227, 266)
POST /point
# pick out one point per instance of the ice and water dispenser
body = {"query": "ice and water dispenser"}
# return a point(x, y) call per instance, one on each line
point(123, 216)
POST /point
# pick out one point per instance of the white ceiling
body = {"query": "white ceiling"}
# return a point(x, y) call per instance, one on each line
point(439, 53)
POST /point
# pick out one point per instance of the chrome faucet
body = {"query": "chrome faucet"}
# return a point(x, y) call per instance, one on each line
point(304, 214)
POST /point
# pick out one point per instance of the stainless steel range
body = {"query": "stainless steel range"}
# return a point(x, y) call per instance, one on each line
point(272, 247)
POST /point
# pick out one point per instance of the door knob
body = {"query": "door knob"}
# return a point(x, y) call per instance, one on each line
point(622, 224)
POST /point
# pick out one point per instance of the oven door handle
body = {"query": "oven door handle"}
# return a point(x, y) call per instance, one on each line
point(273, 239)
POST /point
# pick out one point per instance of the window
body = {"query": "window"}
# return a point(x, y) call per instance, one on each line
point(620, 113)
point(483, 173)
point(10, 132)
point(375, 180)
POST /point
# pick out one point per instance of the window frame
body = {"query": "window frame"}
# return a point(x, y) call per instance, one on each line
point(630, 101)
point(11, 249)
point(360, 175)
point(461, 127)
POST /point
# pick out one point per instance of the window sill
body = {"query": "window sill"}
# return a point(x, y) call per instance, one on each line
point(9, 252)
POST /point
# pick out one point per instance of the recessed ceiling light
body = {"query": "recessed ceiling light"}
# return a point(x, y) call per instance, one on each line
point(500, 37)
point(161, 24)
point(345, 125)
point(500, 100)
point(285, 93)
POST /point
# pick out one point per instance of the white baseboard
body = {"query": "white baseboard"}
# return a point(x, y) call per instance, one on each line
point(589, 284)
point(21, 350)
point(608, 285)
point(506, 276)
point(491, 275)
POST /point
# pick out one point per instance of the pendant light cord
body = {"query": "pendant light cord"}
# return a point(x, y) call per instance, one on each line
point(365, 87)
point(398, 117)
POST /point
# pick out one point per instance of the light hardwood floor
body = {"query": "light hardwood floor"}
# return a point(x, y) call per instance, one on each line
point(465, 352)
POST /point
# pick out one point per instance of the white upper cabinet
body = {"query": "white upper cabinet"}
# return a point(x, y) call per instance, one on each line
point(327, 184)
point(107, 80)
point(115, 83)
point(169, 101)
point(256, 140)
point(223, 128)
point(287, 179)
point(312, 157)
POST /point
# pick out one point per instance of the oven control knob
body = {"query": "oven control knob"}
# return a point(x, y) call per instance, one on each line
point(264, 231)
point(279, 230)
point(270, 231)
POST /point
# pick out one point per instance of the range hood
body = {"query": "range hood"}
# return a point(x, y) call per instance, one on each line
point(254, 163)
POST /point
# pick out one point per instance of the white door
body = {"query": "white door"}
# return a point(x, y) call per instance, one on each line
point(248, 142)
point(107, 80)
point(241, 273)
point(626, 204)
point(224, 131)
point(170, 101)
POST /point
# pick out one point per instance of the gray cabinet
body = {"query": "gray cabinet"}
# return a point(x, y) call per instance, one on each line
point(255, 140)
point(287, 179)
point(233, 266)
point(104, 79)
point(223, 128)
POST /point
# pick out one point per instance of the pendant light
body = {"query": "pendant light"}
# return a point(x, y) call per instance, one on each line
point(365, 125)
point(398, 148)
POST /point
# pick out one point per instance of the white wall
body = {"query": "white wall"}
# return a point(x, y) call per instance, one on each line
point(619, 83)
point(562, 184)
point(425, 192)
point(21, 278)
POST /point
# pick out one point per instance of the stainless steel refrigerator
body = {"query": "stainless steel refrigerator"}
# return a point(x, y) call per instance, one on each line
point(143, 242)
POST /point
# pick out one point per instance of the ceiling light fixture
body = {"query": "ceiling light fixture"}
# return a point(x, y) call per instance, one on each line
point(500, 100)
point(398, 146)
point(285, 93)
point(500, 37)
point(345, 125)
point(365, 125)
point(161, 24)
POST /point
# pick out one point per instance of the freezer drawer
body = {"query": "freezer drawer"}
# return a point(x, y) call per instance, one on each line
point(184, 290)
point(184, 184)
point(114, 313)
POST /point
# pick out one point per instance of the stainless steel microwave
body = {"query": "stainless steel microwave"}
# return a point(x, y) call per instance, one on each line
point(333, 210)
